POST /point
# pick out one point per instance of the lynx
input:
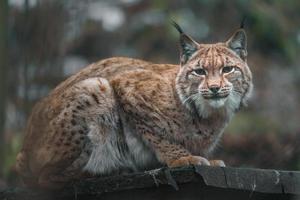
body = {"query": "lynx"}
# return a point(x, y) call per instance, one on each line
point(126, 115)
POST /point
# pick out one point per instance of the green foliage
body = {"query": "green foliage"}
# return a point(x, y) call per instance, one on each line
point(11, 149)
point(252, 122)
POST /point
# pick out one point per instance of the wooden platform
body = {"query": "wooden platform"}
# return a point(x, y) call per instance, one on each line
point(194, 182)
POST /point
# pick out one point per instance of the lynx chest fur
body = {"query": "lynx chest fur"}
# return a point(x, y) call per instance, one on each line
point(124, 115)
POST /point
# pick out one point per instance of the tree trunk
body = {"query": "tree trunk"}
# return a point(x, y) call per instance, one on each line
point(3, 71)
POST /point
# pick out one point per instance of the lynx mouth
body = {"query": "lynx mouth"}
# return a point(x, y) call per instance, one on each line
point(217, 100)
point(216, 97)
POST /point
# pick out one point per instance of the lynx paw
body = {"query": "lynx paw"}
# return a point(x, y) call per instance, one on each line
point(189, 160)
point(217, 163)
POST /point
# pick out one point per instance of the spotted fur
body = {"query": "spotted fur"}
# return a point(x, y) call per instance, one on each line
point(124, 115)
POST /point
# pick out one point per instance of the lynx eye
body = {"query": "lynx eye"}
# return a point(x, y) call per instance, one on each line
point(199, 72)
point(227, 69)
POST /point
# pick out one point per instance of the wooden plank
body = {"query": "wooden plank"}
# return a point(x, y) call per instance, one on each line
point(241, 181)
point(259, 180)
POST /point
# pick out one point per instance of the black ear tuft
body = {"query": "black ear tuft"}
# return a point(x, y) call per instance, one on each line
point(178, 28)
point(242, 25)
point(187, 45)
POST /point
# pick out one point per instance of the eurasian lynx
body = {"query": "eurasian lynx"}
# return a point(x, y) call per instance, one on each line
point(123, 114)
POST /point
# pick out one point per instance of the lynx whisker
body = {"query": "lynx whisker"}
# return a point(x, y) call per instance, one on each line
point(190, 98)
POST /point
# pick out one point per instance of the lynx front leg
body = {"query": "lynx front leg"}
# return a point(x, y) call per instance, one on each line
point(173, 155)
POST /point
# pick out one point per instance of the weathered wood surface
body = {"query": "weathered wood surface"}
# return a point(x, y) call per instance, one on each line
point(219, 181)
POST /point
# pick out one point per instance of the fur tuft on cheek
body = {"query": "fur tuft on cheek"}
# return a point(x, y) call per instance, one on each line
point(234, 101)
point(248, 94)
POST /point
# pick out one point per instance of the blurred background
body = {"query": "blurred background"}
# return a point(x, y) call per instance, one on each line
point(44, 41)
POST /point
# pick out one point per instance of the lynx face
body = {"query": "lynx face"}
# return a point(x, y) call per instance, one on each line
point(214, 76)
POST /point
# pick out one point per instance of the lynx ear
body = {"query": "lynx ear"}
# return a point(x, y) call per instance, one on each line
point(187, 45)
point(238, 43)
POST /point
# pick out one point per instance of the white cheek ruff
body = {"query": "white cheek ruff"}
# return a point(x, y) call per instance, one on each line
point(206, 107)
point(233, 101)
point(217, 103)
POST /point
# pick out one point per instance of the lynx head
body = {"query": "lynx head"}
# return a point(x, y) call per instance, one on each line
point(214, 77)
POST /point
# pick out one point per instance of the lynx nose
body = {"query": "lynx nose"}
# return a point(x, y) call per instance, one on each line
point(214, 89)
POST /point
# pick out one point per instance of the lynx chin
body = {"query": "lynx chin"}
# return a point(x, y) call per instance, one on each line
point(122, 115)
